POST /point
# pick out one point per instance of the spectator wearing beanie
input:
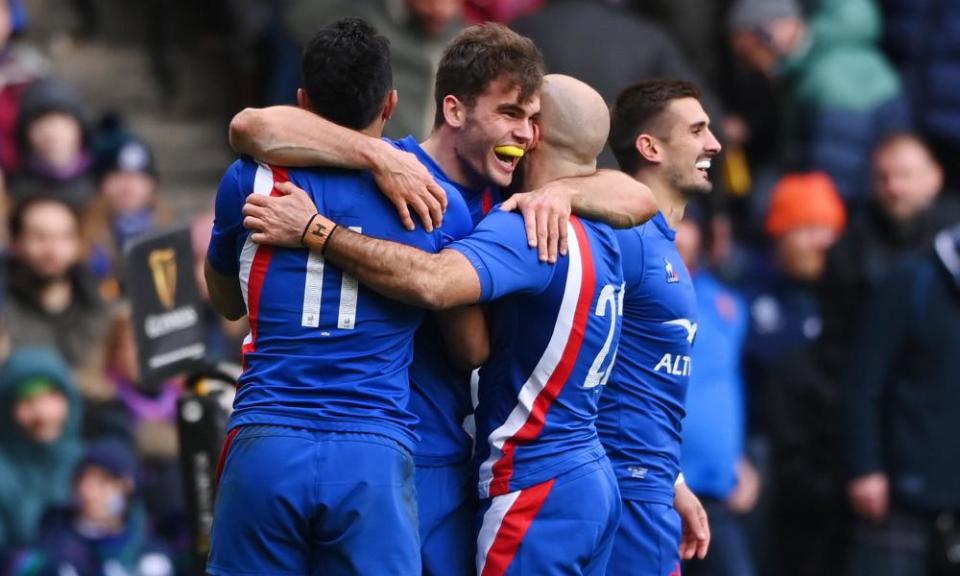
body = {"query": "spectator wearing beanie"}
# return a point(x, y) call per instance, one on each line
point(127, 206)
point(901, 409)
point(53, 139)
point(786, 382)
point(105, 530)
point(714, 459)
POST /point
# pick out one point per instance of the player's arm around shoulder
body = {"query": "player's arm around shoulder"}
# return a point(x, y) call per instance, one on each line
point(434, 281)
point(612, 197)
point(607, 196)
point(289, 136)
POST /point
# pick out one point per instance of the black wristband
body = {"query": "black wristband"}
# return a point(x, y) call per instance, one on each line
point(327, 241)
point(307, 227)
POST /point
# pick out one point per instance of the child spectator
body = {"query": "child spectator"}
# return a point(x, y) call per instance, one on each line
point(105, 531)
point(127, 206)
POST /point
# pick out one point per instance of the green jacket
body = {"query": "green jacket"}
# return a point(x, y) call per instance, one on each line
point(34, 476)
point(841, 66)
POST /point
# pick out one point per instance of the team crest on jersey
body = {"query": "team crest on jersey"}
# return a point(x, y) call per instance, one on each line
point(672, 276)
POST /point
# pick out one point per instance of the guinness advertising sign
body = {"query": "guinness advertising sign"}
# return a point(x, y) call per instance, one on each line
point(166, 305)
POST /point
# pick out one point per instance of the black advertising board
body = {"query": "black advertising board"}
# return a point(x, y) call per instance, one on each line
point(166, 305)
point(202, 414)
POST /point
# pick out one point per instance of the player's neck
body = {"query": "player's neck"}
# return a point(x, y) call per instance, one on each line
point(441, 146)
point(540, 170)
point(672, 202)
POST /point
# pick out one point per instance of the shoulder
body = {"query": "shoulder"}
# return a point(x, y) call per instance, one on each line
point(457, 221)
point(502, 220)
point(631, 238)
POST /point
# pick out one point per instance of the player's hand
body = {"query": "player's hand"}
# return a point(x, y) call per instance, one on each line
point(407, 183)
point(279, 220)
point(870, 496)
point(695, 537)
point(744, 496)
point(546, 212)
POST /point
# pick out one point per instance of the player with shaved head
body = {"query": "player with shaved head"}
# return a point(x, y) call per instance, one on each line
point(543, 474)
point(487, 99)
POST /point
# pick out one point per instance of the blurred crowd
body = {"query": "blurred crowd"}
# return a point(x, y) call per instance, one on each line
point(821, 419)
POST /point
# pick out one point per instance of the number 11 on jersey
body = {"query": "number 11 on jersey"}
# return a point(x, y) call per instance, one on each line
point(313, 294)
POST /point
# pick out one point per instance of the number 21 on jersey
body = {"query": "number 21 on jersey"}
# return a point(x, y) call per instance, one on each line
point(609, 305)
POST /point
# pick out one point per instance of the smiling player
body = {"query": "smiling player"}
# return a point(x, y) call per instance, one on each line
point(487, 97)
point(661, 135)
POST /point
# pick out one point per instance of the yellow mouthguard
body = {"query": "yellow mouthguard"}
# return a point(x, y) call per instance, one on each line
point(514, 151)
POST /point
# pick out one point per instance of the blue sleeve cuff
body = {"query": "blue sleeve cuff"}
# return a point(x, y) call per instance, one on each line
point(483, 273)
point(221, 260)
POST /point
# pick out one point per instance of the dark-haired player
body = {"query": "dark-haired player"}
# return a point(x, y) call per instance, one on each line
point(317, 473)
point(549, 498)
point(487, 96)
point(661, 135)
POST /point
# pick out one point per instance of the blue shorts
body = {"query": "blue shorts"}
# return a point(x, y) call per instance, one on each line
point(447, 504)
point(562, 526)
point(647, 542)
point(299, 502)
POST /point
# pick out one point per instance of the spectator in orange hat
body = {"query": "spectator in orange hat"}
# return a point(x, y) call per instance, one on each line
point(792, 404)
point(805, 219)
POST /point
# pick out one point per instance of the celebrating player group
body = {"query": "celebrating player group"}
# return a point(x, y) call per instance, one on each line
point(385, 281)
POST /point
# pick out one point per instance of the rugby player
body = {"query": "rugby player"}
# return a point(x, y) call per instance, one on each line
point(486, 98)
point(316, 476)
point(661, 135)
point(543, 475)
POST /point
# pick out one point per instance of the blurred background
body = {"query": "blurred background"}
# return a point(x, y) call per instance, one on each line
point(822, 429)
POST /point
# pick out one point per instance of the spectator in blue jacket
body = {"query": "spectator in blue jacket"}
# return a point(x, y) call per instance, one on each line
point(901, 411)
point(920, 37)
point(794, 404)
point(714, 430)
point(105, 531)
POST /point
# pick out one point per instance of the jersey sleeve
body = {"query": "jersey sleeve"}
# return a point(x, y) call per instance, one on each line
point(228, 221)
point(457, 222)
point(633, 258)
point(505, 264)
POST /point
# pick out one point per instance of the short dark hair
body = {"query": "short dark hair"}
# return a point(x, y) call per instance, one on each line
point(24, 205)
point(481, 54)
point(637, 110)
point(347, 72)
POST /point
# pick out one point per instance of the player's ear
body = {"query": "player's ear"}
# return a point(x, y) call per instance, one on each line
point(454, 111)
point(390, 105)
point(649, 148)
point(303, 100)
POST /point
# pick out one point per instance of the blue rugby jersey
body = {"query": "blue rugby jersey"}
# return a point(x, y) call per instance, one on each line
point(554, 332)
point(642, 407)
point(439, 392)
point(323, 352)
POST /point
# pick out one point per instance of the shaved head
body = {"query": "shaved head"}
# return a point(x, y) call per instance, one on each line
point(574, 120)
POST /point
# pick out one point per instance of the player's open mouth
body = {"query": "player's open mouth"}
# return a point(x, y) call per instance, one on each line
point(703, 166)
point(508, 155)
